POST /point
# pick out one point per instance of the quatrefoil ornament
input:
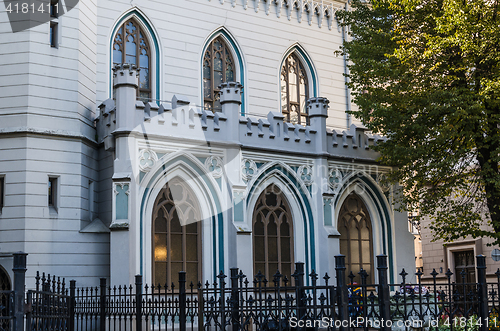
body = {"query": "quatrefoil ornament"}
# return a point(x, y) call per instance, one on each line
point(214, 166)
point(334, 178)
point(305, 174)
point(248, 169)
point(147, 159)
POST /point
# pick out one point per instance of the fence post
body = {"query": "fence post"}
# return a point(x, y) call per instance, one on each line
point(138, 302)
point(482, 292)
point(383, 292)
point(19, 281)
point(102, 305)
point(235, 316)
point(72, 302)
point(299, 291)
point(182, 300)
point(343, 298)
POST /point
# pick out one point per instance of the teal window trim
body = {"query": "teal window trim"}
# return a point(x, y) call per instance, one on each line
point(141, 18)
point(293, 185)
point(383, 213)
point(236, 50)
point(217, 217)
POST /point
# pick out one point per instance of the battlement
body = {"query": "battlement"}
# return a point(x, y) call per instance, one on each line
point(181, 120)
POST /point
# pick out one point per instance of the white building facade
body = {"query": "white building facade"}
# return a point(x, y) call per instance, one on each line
point(121, 152)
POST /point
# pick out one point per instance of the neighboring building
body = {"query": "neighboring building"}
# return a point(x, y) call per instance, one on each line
point(115, 174)
point(458, 256)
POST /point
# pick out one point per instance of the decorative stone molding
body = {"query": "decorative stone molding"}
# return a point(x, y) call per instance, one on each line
point(382, 182)
point(214, 165)
point(305, 174)
point(248, 169)
point(334, 179)
point(322, 9)
point(147, 159)
point(328, 201)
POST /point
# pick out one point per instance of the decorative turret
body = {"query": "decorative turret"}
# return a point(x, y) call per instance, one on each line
point(125, 84)
point(230, 99)
point(317, 109)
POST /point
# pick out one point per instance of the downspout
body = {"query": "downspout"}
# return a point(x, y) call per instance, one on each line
point(346, 79)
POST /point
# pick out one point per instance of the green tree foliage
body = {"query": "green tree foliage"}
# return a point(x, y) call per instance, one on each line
point(426, 74)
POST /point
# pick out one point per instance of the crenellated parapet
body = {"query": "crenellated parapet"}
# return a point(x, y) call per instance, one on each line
point(180, 120)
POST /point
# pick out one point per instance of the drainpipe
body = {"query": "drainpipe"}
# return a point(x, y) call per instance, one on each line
point(346, 71)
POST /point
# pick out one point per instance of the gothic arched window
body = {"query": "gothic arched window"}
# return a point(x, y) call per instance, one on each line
point(131, 46)
point(218, 67)
point(294, 90)
point(177, 234)
point(356, 241)
point(272, 234)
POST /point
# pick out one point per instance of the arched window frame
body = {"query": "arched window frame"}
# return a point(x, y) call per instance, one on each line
point(312, 85)
point(158, 205)
point(155, 50)
point(259, 207)
point(345, 236)
point(239, 75)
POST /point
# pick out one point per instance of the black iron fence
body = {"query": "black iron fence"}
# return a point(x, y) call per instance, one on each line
point(237, 302)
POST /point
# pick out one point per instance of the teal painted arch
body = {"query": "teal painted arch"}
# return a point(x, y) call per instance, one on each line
point(382, 210)
point(153, 40)
point(300, 193)
point(237, 53)
point(308, 63)
point(197, 172)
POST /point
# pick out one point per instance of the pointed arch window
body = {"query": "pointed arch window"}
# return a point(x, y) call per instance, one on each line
point(218, 67)
point(177, 235)
point(272, 234)
point(130, 45)
point(356, 241)
point(294, 90)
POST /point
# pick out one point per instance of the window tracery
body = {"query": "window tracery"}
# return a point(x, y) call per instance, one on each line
point(218, 67)
point(294, 91)
point(131, 46)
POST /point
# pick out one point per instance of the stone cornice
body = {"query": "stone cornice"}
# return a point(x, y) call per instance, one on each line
point(313, 11)
point(24, 130)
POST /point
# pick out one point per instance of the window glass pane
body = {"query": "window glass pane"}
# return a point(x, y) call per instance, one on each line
point(207, 89)
point(175, 225)
point(192, 228)
point(260, 267)
point(284, 228)
point(285, 250)
point(258, 227)
point(144, 79)
point(191, 247)
point(144, 60)
point(176, 267)
point(192, 275)
point(217, 62)
point(160, 273)
point(272, 229)
point(259, 248)
point(206, 70)
point(217, 78)
point(160, 247)
point(273, 267)
point(176, 247)
point(117, 55)
point(272, 245)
